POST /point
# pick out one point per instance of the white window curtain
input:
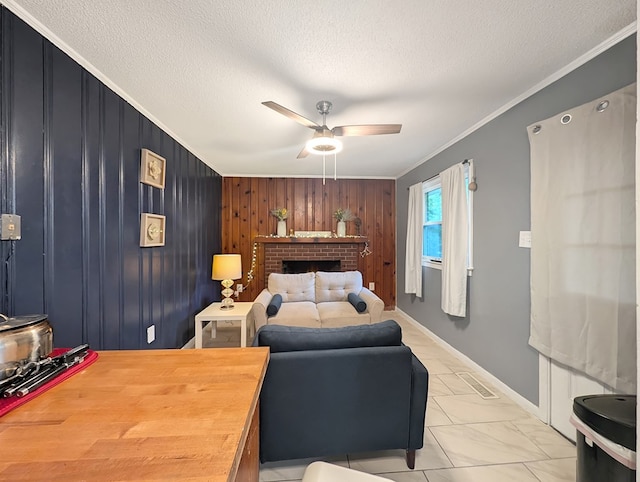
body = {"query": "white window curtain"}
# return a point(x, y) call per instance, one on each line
point(455, 240)
point(413, 262)
point(583, 307)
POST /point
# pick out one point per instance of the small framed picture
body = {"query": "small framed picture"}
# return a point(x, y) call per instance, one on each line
point(152, 230)
point(152, 168)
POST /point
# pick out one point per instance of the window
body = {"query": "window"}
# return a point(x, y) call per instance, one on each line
point(432, 223)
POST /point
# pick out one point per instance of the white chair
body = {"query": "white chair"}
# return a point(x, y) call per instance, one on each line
point(324, 472)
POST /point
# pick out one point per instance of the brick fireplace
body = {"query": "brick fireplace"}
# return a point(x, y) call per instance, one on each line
point(276, 250)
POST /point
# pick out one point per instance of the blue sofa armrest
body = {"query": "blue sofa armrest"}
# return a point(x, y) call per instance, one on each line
point(419, 392)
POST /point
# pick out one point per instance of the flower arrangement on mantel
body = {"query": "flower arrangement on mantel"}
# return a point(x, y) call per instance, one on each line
point(280, 213)
point(343, 215)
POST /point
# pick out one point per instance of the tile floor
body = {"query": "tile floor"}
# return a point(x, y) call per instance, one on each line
point(467, 438)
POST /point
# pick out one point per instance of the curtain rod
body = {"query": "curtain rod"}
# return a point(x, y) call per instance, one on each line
point(466, 161)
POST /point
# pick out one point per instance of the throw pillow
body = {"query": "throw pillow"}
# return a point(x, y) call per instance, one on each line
point(274, 305)
point(358, 303)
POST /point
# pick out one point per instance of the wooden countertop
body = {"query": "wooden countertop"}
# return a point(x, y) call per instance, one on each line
point(139, 415)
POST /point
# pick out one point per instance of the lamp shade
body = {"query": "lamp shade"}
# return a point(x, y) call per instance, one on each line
point(226, 266)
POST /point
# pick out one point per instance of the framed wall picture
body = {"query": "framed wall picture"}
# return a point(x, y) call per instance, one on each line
point(152, 168)
point(152, 230)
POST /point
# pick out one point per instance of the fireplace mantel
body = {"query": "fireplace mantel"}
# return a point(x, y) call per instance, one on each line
point(309, 240)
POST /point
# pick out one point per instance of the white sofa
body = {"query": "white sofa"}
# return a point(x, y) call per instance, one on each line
point(316, 300)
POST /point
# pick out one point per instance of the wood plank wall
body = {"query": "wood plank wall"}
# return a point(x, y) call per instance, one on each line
point(70, 166)
point(246, 205)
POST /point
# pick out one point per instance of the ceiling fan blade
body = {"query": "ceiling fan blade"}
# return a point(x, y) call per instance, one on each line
point(367, 130)
point(303, 153)
point(290, 114)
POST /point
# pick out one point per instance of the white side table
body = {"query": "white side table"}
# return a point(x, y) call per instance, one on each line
point(213, 313)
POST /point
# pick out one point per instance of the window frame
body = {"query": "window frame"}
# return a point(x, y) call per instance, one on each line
point(433, 184)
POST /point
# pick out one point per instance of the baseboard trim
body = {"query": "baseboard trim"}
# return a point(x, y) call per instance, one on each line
point(500, 385)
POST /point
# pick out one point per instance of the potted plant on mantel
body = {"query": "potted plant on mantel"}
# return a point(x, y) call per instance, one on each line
point(342, 216)
point(281, 214)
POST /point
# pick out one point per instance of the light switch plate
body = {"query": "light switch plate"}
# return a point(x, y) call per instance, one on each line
point(525, 239)
point(10, 227)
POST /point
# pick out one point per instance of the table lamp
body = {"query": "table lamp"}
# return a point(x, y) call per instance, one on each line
point(226, 268)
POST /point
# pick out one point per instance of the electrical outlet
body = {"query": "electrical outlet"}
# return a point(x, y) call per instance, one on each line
point(372, 286)
point(239, 287)
point(151, 334)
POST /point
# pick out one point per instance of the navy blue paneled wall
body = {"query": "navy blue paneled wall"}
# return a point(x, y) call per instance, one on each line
point(69, 165)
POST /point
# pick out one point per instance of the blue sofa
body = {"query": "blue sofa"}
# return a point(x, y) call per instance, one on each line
point(333, 391)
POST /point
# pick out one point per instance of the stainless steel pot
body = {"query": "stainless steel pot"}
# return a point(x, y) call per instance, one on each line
point(23, 339)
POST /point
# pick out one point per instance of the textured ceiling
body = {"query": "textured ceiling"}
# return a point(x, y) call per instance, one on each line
point(201, 68)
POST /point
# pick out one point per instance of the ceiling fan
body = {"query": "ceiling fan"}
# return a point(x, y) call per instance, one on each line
point(324, 139)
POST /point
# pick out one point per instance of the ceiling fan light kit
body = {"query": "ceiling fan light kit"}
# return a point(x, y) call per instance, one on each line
point(321, 143)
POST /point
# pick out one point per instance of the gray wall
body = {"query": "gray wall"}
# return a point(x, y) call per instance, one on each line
point(495, 332)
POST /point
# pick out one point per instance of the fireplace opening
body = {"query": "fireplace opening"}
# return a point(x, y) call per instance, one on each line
point(305, 266)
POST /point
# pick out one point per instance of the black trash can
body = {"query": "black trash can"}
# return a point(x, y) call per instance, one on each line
point(605, 438)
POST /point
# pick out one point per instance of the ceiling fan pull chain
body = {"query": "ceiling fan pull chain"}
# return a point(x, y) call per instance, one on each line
point(323, 167)
point(335, 167)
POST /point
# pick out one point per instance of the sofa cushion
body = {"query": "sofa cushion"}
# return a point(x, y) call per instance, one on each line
point(340, 313)
point(297, 313)
point(336, 286)
point(290, 338)
point(274, 305)
point(293, 287)
point(357, 302)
